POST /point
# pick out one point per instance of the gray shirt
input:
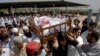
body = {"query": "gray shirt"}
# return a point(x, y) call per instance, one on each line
point(91, 49)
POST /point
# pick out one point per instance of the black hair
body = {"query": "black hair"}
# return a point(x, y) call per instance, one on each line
point(34, 54)
point(10, 27)
point(28, 34)
point(93, 23)
point(77, 20)
point(60, 36)
point(85, 22)
point(2, 27)
point(76, 29)
point(3, 37)
point(95, 35)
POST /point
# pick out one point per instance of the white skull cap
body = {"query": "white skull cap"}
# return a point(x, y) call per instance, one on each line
point(25, 28)
point(15, 30)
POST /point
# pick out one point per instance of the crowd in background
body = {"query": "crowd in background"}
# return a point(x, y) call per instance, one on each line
point(17, 38)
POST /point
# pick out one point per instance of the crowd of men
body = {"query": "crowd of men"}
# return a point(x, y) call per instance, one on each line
point(17, 39)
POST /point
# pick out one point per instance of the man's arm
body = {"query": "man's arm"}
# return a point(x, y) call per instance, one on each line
point(72, 41)
point(94, 52)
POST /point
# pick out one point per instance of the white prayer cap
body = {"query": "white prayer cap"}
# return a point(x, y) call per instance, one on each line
point(15, 30)
point(25, 28)
point(73, 26)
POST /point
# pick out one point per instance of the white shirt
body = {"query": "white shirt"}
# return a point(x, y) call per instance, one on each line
point(5, 52)
point(6, 20)
point(72, 50)
point(80, 41)
point(84, 36)
point(33, 38)
point(15, 20)
point(10, 21)
point(43, 53)
point(2, 22)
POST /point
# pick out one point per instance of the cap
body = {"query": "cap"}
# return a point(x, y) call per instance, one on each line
point(18, 39)
point(15, 30)
point(25, 28)
point(32, 47)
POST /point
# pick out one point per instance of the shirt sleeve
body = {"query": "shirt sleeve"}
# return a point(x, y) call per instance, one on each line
point(74, 42)
point(94, 52)
point(24, 38)
point(80, 41)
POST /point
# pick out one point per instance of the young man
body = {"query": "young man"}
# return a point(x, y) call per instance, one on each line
point(84, 26)
point(59, 45)
point(91, 28)
point(76, 36)
point(93, 46)
point(66, 46)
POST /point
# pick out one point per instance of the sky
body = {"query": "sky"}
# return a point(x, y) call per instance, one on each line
point(94, 4)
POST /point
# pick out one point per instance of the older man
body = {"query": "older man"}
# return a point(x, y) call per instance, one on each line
point(30, 35)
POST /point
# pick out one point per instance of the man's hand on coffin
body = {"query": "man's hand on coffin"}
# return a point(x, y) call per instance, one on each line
point(46, 47)
point(55, 43)
point(71, 36)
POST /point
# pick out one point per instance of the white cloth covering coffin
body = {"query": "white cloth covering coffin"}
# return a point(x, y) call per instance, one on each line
point(45, 21)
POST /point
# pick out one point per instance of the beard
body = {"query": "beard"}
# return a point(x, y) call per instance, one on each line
point(89, 41)
point(28, 34)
